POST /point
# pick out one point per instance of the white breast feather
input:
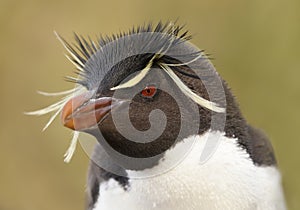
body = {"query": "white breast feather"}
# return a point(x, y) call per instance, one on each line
point(228, 180)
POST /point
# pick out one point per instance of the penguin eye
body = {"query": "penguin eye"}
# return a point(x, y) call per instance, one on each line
point(149, 91)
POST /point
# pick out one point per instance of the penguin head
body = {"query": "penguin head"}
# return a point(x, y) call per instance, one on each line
point(143, 93)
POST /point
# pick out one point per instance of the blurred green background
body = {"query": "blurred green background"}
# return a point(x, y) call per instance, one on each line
point(256, 46)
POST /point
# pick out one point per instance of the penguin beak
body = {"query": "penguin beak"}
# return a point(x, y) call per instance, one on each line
point(83, 112)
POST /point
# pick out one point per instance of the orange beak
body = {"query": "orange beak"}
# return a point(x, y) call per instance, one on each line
point(82, 112)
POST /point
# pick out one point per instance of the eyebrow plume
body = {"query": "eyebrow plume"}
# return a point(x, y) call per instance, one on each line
point(188, 92)
point(135, 80)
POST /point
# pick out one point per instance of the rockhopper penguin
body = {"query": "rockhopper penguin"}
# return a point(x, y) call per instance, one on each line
point(170, 133)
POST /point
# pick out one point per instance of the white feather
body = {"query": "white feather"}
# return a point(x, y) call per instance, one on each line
point(186, 63)
point(66, 92)
point(80, 68)
point(57, 108)
point(135, 80)
point(69, 51)
point(188, 92)
point(69, 153)
point(52, 118)
point(227, 181)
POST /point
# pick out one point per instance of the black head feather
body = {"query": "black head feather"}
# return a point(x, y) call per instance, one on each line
point(93, 58)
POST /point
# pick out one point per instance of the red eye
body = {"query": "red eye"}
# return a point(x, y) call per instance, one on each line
point(149, 91)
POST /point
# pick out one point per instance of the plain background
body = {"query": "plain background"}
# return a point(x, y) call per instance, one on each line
point(255, 45)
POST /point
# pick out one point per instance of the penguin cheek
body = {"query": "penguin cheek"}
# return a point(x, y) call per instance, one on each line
point(140, 110)
point(139, 113)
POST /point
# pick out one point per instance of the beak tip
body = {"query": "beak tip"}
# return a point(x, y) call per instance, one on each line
point(68, 124)
point(81, 112)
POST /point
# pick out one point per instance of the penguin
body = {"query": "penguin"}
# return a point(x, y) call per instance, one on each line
point(170, 134)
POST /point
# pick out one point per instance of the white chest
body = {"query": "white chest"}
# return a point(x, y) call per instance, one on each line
point(228, 180)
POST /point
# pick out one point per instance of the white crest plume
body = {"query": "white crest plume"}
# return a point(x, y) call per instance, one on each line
point(56, 108)
point(189, 93)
